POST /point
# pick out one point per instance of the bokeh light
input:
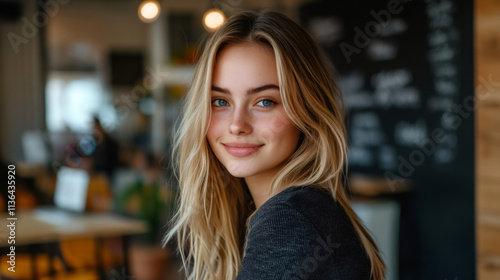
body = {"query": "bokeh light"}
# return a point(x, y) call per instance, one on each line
point(213, 19)
point(149, 11)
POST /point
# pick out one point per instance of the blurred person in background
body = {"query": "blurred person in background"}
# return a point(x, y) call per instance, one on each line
point(106, 154)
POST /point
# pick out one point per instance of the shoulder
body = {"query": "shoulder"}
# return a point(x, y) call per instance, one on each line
point(299, 228)
point(317, 206)
point(286, 217)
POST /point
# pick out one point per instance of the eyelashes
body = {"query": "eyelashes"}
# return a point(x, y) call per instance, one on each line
point(264, 102)
point(267, 102)
point(219, 102)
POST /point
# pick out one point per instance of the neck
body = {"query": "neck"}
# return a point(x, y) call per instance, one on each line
point(259, 188)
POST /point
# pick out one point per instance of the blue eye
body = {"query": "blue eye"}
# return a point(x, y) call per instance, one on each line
point(266, 103)
point(219, 102)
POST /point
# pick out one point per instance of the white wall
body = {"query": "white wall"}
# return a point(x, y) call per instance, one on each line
point(21, 87)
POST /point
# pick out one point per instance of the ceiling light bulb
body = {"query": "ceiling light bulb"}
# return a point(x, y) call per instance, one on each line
point(149, 11)
point(213, 19)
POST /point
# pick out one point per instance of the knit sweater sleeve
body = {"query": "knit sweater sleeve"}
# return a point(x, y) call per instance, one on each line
point(283, 244)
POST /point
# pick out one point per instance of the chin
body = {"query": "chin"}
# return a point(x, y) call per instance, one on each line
point(238, 174)
point(238, 171)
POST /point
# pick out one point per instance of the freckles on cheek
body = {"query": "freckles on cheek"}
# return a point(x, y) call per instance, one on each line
point(273, 128)
point(215, 128)
point(278, 125)
point(282, 132)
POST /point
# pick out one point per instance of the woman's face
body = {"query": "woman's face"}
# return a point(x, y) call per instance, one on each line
point(249, 132)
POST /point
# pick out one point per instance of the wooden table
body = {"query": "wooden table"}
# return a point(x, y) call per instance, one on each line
point(42, 226)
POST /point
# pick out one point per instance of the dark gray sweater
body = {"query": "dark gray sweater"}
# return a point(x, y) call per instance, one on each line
point(303, 233)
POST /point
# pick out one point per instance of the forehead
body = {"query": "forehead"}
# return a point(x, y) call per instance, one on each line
point(246, 63)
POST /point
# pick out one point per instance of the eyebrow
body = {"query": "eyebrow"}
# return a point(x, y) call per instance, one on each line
point(250, 91)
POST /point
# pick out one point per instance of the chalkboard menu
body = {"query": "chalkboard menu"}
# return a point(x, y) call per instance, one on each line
point(406, 71)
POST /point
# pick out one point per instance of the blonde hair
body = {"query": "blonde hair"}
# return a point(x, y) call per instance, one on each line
point(213, 207)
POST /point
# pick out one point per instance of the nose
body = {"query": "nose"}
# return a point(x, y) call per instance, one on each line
point(240, 122)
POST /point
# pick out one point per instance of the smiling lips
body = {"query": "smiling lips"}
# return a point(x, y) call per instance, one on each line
point(241, 149)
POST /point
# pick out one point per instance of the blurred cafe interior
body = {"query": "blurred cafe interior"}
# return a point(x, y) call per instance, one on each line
point(90, 91)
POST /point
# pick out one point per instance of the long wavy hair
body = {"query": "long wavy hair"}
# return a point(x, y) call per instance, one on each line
point(210, 224)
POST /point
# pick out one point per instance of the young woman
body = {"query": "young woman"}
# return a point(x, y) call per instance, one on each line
point(260, 153)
